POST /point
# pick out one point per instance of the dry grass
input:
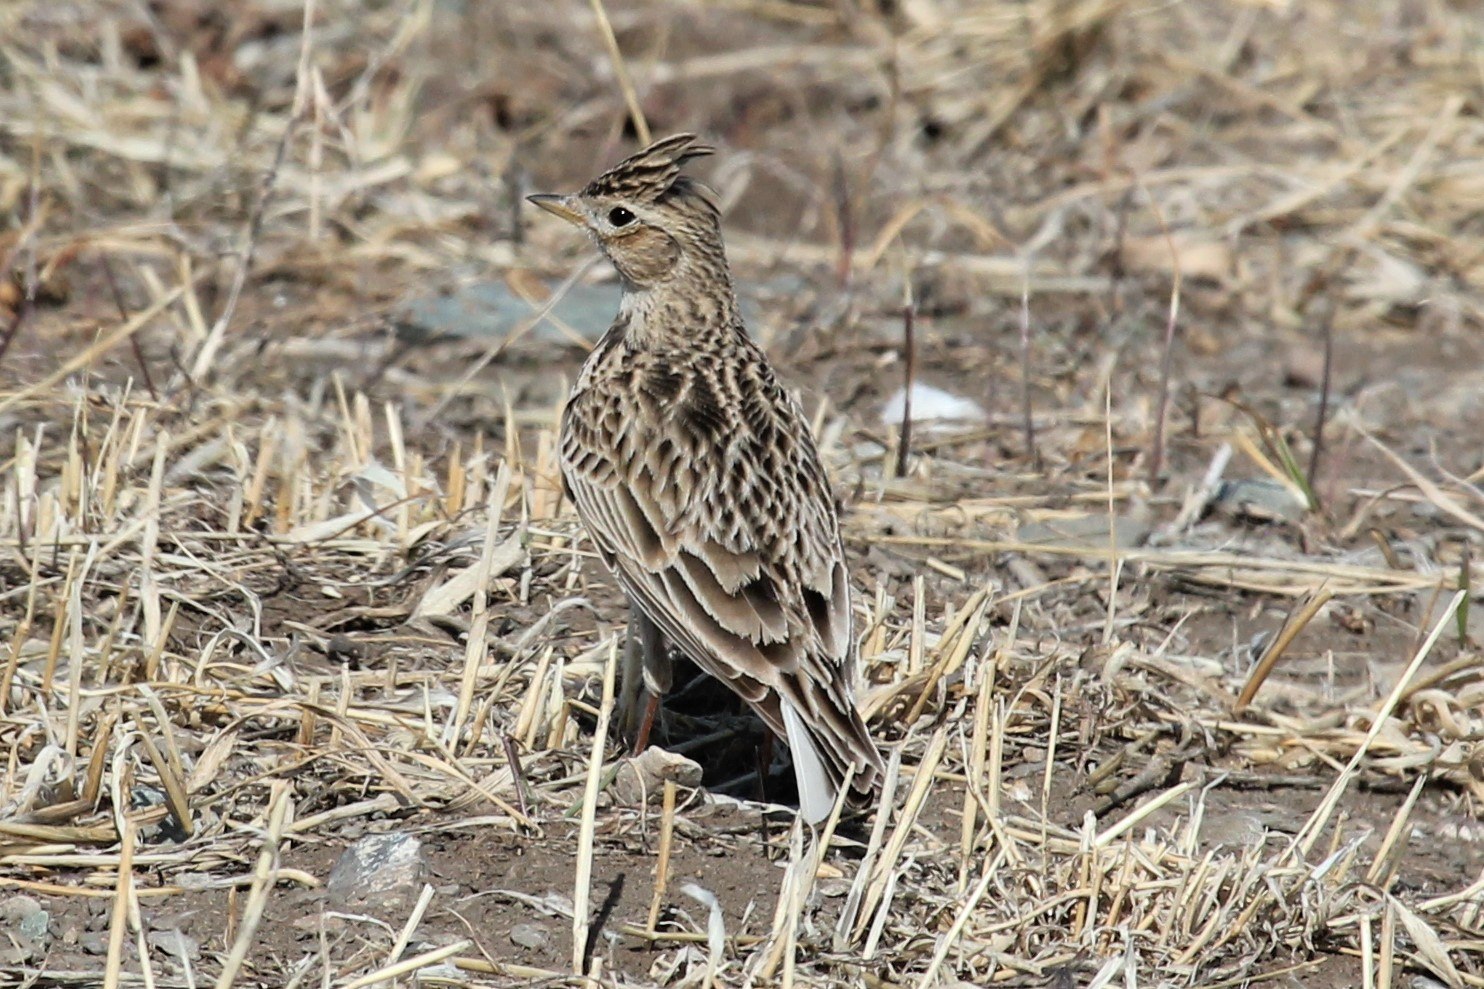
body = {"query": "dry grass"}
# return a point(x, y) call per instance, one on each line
point(273, 573)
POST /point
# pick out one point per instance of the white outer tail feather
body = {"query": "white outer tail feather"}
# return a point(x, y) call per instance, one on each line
point(817, 792)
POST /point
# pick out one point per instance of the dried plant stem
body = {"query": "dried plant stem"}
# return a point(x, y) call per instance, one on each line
point(280, 812)
point(246, 254)
point(1383, 865)
point(1027, 420)
point(414, 919)
point(1167, 351)
point(479, 624)
point(118, 301)
point(1279, 646)
point(582, 885)
point(118, 924)
point(885, 868)
point(1303, 841)
point(909, 371)
point(662, 862)
point(427, 959)
point(845, 223)
point(1321, 415)
point(621, 72)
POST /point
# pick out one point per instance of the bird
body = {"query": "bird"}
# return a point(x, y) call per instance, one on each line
point(697, 478)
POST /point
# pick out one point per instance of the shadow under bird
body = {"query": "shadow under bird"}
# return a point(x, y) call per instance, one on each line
point(698, 479)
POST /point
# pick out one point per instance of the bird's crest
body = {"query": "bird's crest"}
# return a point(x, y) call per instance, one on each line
point(652, 173)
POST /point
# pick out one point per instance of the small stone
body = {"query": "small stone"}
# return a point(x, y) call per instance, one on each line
point(1304, 367)
point(175, 943)
point(1086, 531)
point(380, 872)
point(532, 936)
point(15, 909)
point(644, 776)
point(34, 925)
point(833, 888)
point(1259, 500)
point(25, 916)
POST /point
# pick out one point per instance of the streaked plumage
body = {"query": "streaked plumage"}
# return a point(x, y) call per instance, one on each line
point(698, 479)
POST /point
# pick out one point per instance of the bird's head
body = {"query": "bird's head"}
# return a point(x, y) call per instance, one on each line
point(643, 213)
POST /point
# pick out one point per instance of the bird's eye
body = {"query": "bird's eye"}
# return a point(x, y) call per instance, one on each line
point(620, 217)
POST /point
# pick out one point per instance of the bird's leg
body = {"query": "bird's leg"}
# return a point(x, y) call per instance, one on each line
point(764, 765)
point(646, 724)
point(631, 679)
point(646, 672)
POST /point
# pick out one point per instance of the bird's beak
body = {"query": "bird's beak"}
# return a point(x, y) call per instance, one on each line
point(560, 205)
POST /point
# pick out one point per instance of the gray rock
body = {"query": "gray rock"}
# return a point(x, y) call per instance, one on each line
point(26, 922)
point(380, 874)
point(1258, 500)
point(532, 936)
point(493, 309)
point(17, 907)
point(34, 925)
point(25, 912)
point(175, 943)
point(1085, 532)
point(643, 777)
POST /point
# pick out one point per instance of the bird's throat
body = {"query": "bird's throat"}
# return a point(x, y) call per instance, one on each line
point(672, 311)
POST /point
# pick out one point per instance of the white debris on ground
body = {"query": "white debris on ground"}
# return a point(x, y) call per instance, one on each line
point(931, 406)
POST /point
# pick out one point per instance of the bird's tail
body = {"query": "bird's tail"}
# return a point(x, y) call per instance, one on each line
point(823, 755)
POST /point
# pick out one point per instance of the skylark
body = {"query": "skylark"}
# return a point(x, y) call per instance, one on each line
point(698, 479)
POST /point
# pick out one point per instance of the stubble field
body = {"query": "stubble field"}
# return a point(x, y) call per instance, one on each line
point(1171, 630)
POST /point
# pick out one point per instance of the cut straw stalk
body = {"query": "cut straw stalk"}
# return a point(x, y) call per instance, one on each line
point(953, 647)
point(1303, 841)
point(662, 861)
point(265, 874)
point(582, 885)
point(113, 965)
point(979, 744)
point(475, 648)
point(1269, 661)
point(621, 72)
point(389, 974)
point(805, 862)
point(886, 867)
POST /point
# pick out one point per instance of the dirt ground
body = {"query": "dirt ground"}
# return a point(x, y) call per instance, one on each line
point(1171, 632)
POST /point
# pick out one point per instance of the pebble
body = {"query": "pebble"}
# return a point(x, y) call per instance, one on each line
point(1259, 500)
point(25, 921)
point(643, 777)
point(175, 943)
point(380, 873)
point(532, 936)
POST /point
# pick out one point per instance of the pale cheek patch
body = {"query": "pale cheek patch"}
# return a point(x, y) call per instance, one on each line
point(644, 256)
